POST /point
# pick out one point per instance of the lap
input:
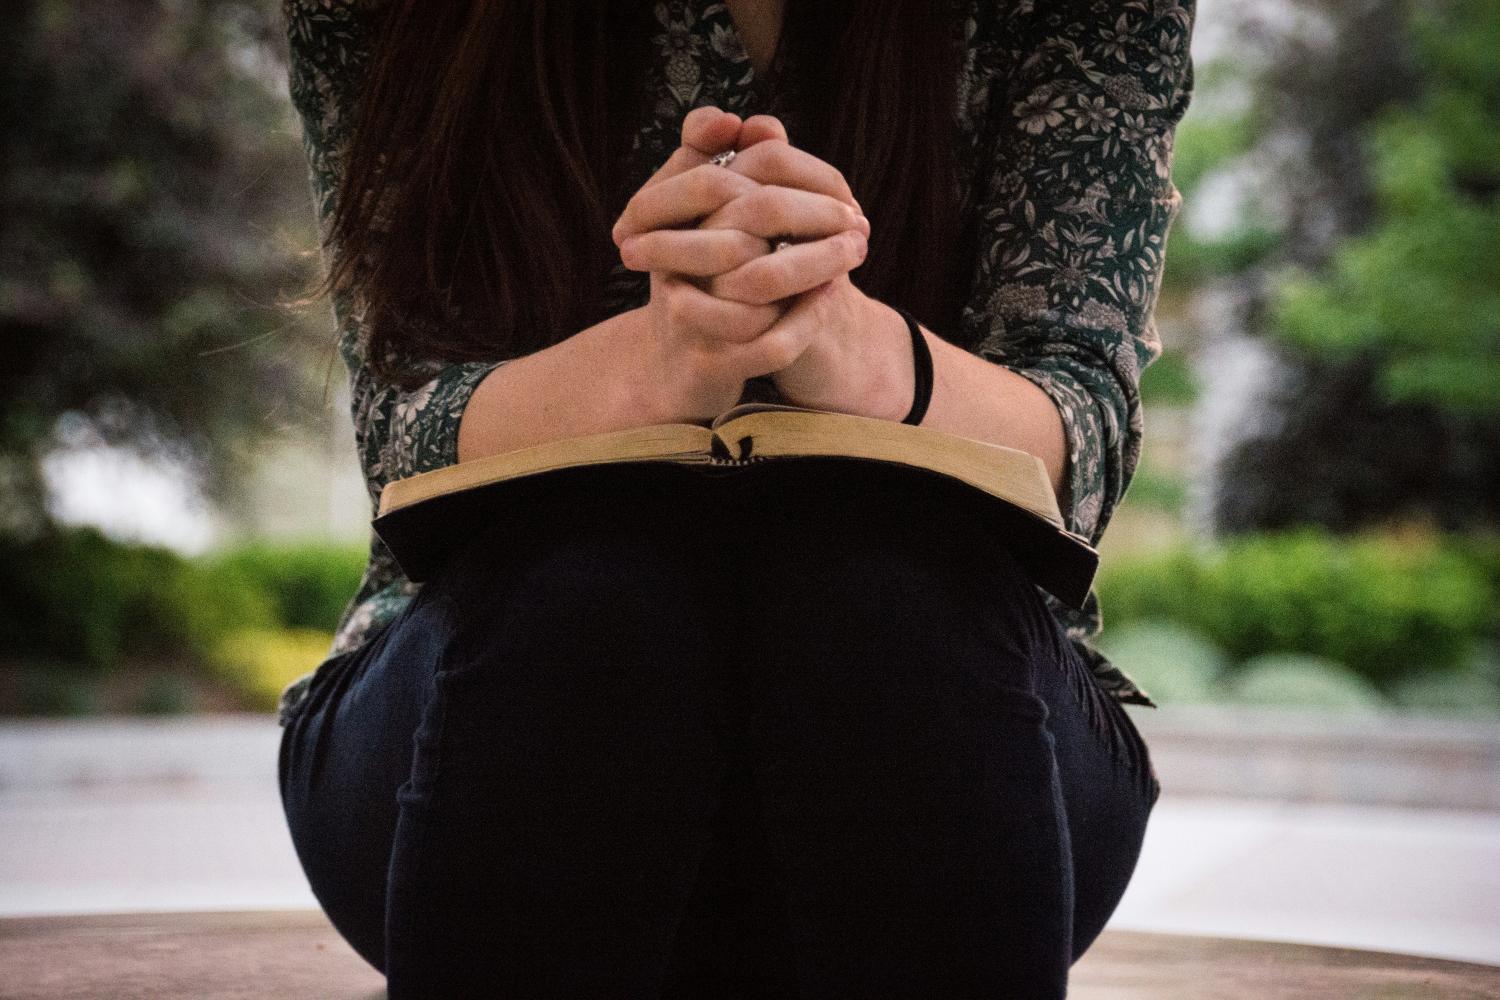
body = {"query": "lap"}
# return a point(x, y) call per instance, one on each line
point(905, 602)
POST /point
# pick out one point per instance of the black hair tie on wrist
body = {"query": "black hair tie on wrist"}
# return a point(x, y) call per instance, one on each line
point(923, 354)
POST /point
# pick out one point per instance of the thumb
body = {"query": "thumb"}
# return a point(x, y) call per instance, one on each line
point(709, 130)
point(758, 128)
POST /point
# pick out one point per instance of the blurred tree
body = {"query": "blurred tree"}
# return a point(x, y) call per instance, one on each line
point(1384, 293)
point(1419, 292)
point(154, 201)
point(1214, 142)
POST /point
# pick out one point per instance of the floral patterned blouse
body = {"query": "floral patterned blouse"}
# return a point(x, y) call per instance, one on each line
point(1064, 116)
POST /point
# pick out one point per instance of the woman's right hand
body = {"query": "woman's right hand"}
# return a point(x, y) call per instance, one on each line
point(695, 349)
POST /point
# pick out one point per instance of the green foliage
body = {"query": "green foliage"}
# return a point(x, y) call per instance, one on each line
point(74, 603)
point(1376, 159)
point(1384, 605)
point(1192, 260)
point(1423, 292)
point(1420, 291)
point(76, 596)
point(1176, 664)
point(1157, 489)
point(1461, 42)
point(1169, 380)
point(308, 584)
point(260, 663)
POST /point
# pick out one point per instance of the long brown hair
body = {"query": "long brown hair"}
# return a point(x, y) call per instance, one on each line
point(496, 133)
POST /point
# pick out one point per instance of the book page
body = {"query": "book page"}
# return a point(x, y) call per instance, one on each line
point(655, 442)
point(1008, 473)
point(735, 412)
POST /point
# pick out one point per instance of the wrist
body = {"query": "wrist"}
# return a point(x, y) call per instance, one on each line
point(637, 400)
point(892, 389)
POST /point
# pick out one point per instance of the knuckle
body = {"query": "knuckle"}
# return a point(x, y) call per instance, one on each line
point(721, 286)
point(778, 154)
point(781, 352)
point(714, 183)
point(634, 249)
point(734, 286)
point(713, 259)
point(678, 309)
point(754, 322)
point(699, 366)
point(698, 179)
point(760, 156)
point(855, 244)
point(763, 200)
point(751, 247)
point(759, 287)
point(729, 256)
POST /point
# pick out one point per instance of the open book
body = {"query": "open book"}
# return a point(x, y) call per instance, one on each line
point(422, 517)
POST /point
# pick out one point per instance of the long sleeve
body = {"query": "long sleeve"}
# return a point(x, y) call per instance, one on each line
point(398, 433)
point(1079, 101)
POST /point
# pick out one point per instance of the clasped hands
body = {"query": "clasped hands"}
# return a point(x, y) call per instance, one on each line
point(725, 308)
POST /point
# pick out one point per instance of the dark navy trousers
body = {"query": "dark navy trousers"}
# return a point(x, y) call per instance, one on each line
point(803, 730)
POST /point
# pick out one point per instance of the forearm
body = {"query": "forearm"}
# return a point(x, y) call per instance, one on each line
point(582, 385)
point(974, 398)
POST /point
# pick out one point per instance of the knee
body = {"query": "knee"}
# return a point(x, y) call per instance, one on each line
point(932, 601)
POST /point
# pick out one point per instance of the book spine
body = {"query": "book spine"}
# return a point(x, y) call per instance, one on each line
point(720, 452)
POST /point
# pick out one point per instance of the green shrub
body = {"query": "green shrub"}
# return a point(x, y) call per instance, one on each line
point(1174, 663)
point(260, 663)
point(57, 689)
point(1384, 605)
point(308, 584)
point(1300, 680)
point(1473, 690)
point(61, 596)
point(76, 596)
point(195, 607)
point(164, 694)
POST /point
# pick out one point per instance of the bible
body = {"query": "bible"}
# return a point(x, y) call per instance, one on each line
point(422, 517)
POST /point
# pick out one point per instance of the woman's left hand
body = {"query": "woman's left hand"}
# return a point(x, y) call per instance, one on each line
point(857, 357)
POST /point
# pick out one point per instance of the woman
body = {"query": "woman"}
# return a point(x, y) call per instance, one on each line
point(893, 766)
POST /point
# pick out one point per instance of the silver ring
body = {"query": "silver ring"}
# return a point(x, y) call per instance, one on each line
point(780, 244)
point(723, 159)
